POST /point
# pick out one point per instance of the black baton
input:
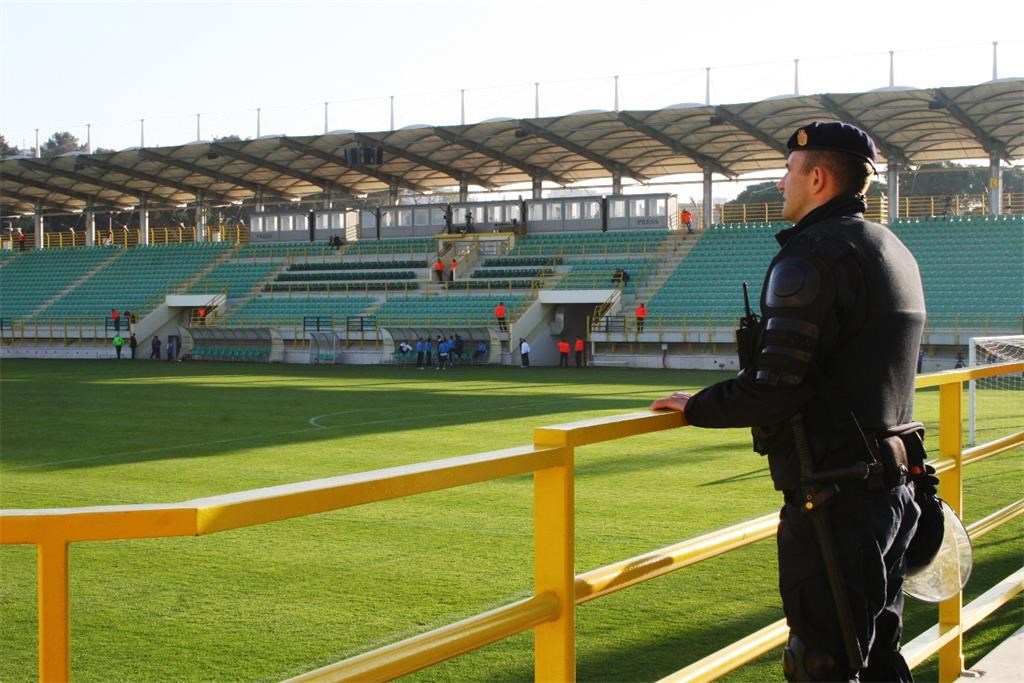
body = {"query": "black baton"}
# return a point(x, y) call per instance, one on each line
point(811, 501)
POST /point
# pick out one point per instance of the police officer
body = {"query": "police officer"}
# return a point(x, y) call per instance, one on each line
point(842, 311)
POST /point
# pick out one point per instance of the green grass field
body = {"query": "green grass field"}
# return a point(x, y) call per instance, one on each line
point(268, 602)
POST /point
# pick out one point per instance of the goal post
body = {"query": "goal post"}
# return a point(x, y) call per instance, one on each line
point(992, 400)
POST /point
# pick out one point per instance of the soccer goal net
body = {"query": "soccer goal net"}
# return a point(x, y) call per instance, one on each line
point(996, 403)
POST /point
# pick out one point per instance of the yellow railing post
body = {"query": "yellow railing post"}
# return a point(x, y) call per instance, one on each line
point(54, 611)
point(554, 561)
point(951, 655)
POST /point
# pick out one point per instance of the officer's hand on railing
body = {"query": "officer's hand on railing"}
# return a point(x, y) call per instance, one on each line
point(676, 401)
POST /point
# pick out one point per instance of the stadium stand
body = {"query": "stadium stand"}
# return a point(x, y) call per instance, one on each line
point(31, 279)
point(322, 252)
point(495, 284)
point(319, 280)
point(598, 273)
point(329, 275)
point(447, 311)
point(286, 250)
point(706, 284)
point(393, 248)
point(291, 310)
point(6, 255)
point(971, 268)
point(137, 279)
point(522, 261)
point(236, 278)
point(591, 243)
point(359, 265)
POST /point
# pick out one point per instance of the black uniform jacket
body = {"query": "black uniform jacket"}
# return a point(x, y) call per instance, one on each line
point(842, 316)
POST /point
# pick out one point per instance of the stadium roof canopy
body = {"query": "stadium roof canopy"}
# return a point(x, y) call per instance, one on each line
point(910, 126)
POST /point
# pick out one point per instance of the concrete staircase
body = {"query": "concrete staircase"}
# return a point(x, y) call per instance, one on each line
point(668, 257)
point(197, 277)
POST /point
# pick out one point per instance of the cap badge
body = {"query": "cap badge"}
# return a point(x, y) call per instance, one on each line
point(801, 137)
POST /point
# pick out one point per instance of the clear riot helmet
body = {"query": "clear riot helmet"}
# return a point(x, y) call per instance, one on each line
point(950, 568)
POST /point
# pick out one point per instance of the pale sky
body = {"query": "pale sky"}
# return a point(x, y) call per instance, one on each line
point(67, 64)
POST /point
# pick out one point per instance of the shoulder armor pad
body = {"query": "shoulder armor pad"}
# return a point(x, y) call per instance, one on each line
point(794, 283)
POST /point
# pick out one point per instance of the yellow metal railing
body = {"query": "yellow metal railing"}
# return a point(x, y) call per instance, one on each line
point(766, 212)
point(557, 590)
point(953, 205)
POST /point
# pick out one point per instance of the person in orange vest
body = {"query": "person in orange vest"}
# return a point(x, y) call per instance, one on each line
point(451, 273)
point(578, 347)
point(439, 270)
point(202, 315)
point(686, 218)
point(641, 316)
point(115, 316)
point(563, 353)
point(499, 313)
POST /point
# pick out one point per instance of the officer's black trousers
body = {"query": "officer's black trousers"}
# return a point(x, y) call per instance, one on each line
point(870, 533)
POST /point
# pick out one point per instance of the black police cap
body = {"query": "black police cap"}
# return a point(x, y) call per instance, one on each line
point(835, 137)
